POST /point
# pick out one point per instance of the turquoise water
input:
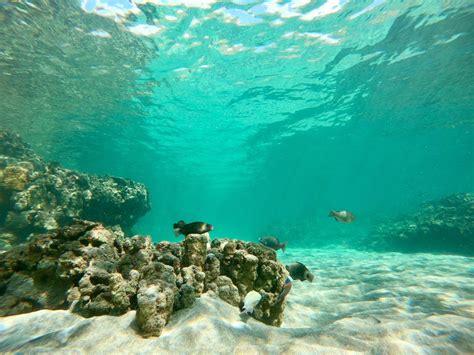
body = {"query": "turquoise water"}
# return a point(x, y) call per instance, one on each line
point(258, 117)
point(253, 116)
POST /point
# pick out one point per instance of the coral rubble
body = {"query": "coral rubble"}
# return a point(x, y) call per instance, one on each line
point(94, 270)
point(36, 197)
point(442, 226)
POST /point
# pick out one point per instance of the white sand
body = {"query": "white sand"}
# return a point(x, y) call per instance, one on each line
point(359, 302)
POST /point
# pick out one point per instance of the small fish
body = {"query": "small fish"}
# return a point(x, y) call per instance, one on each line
point(273, 243)
point(191, 228)
point(299, 271)
point(342, 216)
point(251, 301)
point(286, 289)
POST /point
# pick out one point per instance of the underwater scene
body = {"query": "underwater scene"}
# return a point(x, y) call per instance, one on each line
point(237, 177)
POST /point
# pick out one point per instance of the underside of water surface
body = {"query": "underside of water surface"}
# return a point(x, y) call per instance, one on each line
point(345, 129)
point(249, 114)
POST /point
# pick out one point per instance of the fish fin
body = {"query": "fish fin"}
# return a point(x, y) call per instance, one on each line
point(286, 290)
point(283, 246)
point(177, 232)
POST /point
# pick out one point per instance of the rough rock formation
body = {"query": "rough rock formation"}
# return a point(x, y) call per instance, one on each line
point(441, 226)
point(249, 266)
point(95, 270)
point(36, 196)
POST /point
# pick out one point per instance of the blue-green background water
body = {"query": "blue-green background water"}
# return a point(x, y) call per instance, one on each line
point(253, 116)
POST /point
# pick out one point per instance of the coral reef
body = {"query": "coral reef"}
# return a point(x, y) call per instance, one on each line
point(94, 270)
point(36, 197)
point(442, 226)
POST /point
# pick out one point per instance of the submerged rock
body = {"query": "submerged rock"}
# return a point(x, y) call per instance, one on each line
point(37, 197)
point(195, 249)
point(94, 270)
point(155, 298)
point(441, 226)
point(227, 291)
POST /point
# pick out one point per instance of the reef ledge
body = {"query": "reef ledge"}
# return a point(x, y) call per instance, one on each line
point(37, 196)
point(444, 226)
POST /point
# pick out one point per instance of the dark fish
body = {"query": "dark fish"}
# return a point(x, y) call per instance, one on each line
point(273, 243)
point(342, 216)
point(299, 271)
point(191, 228)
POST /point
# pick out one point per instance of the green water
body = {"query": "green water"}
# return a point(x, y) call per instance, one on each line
point(252, 116)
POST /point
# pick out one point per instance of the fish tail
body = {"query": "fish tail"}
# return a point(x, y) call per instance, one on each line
point(286, 290)
point(283, 246)
point(177, 227)
point(179, 224)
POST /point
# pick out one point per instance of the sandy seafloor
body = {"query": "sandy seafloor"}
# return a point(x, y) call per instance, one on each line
point(380, 303)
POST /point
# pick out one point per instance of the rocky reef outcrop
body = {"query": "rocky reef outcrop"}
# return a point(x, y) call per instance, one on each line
point(36, 196)
point(442, 226)
point(94, 270)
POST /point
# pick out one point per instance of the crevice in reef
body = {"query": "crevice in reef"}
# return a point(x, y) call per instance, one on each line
point(4, 205)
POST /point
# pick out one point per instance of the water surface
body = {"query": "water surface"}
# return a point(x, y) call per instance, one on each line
point(249, 114)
